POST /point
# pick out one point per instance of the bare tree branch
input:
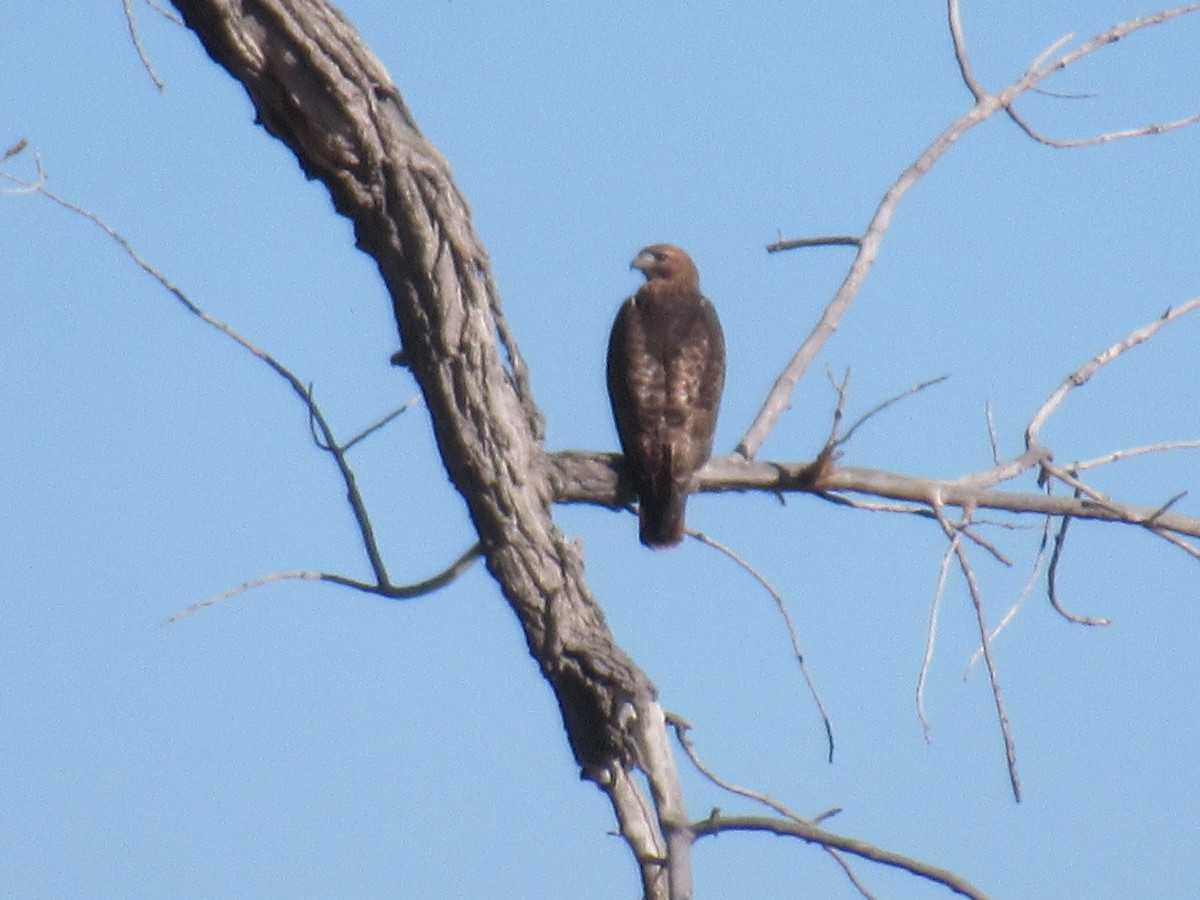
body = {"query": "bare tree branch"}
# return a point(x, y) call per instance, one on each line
point(986, 105)
point(656, 761)
point(829, 240)
point(1130, 452)
point(323, 435)
point(1105, 138)
point(880, 407)
point(717, 822)
point(1112, 35)
point(317, 88)
point(578, 476)
point(683, 727)
point(1083, 374)
point(388, 591)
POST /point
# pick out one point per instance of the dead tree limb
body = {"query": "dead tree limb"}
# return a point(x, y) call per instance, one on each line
point(317, 88)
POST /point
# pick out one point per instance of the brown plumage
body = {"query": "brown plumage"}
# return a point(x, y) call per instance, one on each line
point(666, 368)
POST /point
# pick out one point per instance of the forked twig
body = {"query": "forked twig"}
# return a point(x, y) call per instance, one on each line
point(1026, 590)
point(842, 389)
point(868, 244)
point(923, 511)
point(682, 726)
point(968, 571)
point(806, 829)
point(795, 825)
point(880, 407)
point(322, 432)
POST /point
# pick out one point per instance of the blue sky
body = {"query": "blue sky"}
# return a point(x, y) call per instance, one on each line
point(307, 741)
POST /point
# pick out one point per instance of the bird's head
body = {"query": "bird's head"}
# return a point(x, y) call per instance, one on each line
point(666, 262)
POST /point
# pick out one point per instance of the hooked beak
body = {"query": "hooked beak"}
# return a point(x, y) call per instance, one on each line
point(643, 261)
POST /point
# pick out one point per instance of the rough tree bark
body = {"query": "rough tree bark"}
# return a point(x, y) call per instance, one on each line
point(317, 88)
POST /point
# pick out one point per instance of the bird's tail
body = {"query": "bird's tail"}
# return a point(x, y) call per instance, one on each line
point(661, 520)
point(662, 505)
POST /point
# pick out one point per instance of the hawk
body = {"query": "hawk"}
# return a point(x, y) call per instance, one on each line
point(666, 368)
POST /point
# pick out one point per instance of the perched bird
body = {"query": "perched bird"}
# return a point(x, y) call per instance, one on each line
point(666, 368)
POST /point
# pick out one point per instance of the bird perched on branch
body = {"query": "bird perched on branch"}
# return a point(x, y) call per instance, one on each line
point(666, 368)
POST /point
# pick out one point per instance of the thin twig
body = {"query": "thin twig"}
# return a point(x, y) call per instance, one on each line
point(880, 407)
point(841, 860)
point(24, 185)
point(788, 624)
point(964, 563)
point(1179, 542)
point(960, 51)
point(1025, 592)
point(923, 511)
point(1060, 541)
point(842, 389)
point(14, 149)
point(831, 240)
point(1151, 522)
point(371, 429)
point(328, 442)
point(137, 44)
point(1105, 138)
point(164, 12)
point(991, 429)
point(1063, 95)
point(1154, 516)
point(1130, 452)
point(1081, 489)
point(1104, 38)
point(389, 592)
point(931, 632)
point(682, 727)
point(1083, 374)
point(718, 823)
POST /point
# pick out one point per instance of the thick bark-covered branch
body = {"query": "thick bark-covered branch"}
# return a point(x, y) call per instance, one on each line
point(586, 477)
point(317, 88)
